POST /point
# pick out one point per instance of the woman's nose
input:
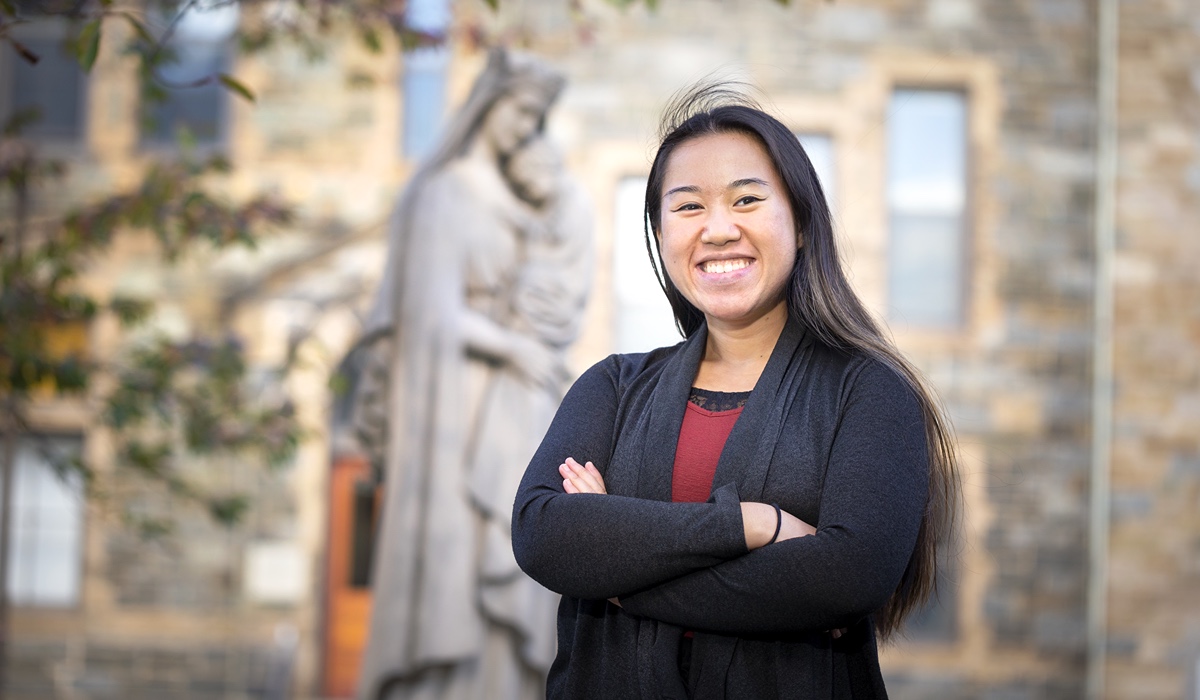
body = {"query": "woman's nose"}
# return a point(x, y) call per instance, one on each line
point(720, 228)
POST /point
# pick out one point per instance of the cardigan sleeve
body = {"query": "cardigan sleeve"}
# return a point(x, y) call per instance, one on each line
point(872, 502)
point(598, 546)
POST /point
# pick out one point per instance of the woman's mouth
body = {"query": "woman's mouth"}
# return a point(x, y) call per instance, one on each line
point(719, 266)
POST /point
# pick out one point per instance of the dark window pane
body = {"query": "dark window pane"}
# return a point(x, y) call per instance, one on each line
point(199, 50)
point(199, 109)
point(362, 545)
point(53, 86)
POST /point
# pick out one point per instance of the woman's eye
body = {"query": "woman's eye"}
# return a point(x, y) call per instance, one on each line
point(690, 206)
point(747, 199)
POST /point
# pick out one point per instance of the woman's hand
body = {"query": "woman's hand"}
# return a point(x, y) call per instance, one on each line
point(581, 478)
point(759, 521)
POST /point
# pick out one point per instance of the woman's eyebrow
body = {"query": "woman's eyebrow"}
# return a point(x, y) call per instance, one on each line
point(747, 181)
point(690, 189)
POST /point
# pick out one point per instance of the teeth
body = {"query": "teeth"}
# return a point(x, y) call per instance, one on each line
point(725, 265)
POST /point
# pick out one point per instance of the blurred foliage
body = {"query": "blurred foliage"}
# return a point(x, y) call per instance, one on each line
point(171, 402)
point(168, 404)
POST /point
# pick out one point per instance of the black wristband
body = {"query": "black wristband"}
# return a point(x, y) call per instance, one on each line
point(778, 522)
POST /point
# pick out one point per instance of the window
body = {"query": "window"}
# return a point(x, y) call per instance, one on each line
point(643, 315)
point(819, 148)
point(54, 87)
point(364, 515)
point(194, 101)
point(926, 199)
point(425, 78)
point(46, 547)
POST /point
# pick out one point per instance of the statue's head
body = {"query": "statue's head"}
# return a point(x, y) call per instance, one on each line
point(522, 89)
point(507, 105)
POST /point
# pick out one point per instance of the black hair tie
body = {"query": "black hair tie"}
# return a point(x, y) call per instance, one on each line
point(778, 522)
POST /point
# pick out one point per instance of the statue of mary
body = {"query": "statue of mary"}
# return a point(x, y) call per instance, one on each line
point(472, 379)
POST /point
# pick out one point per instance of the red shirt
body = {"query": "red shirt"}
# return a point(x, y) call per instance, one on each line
point(701, 439)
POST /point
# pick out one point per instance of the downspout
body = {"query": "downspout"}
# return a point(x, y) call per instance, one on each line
point(1102, 346)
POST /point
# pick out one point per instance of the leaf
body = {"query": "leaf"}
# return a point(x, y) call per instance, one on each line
point(237, 86)
point(70, 375)
point(370, 38)
point(228, 510)
point(494, 4)
point(88, 45)
point(130, 311)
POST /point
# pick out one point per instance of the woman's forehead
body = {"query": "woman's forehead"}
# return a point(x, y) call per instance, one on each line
point(718, 159)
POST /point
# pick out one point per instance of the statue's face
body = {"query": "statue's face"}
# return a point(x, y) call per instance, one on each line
point(513, 119)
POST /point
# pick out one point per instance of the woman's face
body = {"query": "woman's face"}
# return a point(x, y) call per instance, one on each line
point(728, 237)
point(512, 119)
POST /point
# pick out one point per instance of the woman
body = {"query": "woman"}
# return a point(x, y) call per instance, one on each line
point(754, 548)
point(452, 615)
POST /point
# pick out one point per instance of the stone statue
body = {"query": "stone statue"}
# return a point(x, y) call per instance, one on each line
point(487, 274)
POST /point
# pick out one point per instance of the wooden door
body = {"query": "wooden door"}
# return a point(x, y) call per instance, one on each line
point(353, 504)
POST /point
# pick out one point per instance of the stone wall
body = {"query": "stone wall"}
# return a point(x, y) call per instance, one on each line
point(1154, 584)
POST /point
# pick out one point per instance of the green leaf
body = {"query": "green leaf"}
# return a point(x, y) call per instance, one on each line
point(236, 86)
point(494, 4)
point(228, 510)
point(130, 311)
point(70, 375)
point(88, 45)
point(370, 38)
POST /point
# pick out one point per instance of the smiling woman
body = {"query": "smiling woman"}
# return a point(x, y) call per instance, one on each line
point(742, 514)
point(728, 237)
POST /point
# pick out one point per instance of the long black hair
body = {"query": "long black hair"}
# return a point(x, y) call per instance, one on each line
point(820, 297)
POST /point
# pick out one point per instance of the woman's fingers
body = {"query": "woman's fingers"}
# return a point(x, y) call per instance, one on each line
point(579, 478)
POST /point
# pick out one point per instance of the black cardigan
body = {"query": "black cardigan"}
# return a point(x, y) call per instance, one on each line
point(835, 439)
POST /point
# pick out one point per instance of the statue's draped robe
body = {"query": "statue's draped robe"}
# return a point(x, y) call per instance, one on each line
point(452, 615)
point(545, 301)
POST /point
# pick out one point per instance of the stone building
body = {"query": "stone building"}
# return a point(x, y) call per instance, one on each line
point(1016, 184)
